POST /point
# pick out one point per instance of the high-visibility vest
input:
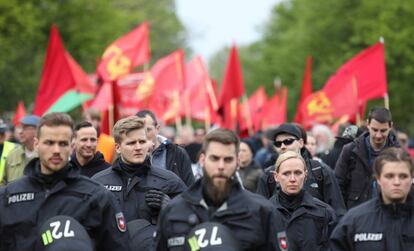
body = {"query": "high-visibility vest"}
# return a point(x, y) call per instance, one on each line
point(7, 147)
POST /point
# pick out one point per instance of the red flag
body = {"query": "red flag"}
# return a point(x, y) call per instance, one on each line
point(199, 96)
point(125, 53)
point(368, 67)
point(232, 85)
point(306, 89)
point(19, 114)
point(254, 106)
point(274, 112)
point(332, 102)
point(59, 89)
point(163, 86)
point(82, 82)
point(232, 88)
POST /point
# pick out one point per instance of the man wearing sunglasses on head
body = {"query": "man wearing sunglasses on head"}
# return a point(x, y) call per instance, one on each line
point(320, 183)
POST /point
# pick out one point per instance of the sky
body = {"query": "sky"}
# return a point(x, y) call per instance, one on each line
point(213, 24)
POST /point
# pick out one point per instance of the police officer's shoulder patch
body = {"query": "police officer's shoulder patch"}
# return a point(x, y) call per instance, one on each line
point(120, 221)
point(282, 241)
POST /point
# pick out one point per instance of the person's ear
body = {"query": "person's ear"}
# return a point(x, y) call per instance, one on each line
point(276, 176)
point(202, 159)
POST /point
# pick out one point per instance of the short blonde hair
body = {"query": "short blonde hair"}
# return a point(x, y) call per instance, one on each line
point(288, 155)
point(126, 125)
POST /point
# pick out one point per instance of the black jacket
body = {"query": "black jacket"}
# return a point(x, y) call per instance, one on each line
point(27, 203)
point(93, 167)
point(376, 226)
point(250, 176)
point(130, 192)
point(354, 175)
point(178, 161)
point(309, 226)
point(250, 218)
point(320, 183)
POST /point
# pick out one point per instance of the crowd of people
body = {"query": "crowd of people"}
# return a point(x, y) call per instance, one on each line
point(283, 189)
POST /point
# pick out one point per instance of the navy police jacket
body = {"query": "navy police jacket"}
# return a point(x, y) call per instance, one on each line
point(130, 192)
point(250, 218)
point(376, 226)
point(309, 226)
point(28, 202)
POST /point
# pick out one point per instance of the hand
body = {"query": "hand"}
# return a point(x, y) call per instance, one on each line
point(156, 199)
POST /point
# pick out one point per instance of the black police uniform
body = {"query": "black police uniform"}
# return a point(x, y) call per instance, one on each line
point(321, 183)
point(309, 225)
point(27, 203)
point(376, 226)
point(130, 191)
point(250, 217)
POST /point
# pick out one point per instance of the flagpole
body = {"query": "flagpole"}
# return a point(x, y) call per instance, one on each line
point(248, 115)
point(187, 109)
point(111, 118)
point(386, 101)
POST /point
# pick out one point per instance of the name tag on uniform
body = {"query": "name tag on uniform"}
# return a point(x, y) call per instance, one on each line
point(176, 241)
point(358, 237)
point(114, 188)
point(20, 197)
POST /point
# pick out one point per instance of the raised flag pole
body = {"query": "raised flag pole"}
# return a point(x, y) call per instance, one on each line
point(187, 108)
point(386, 97)
point(248, 115)
point(111, 118)
point(386, 101)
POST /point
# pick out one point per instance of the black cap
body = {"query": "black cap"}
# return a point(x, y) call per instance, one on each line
point(285, 128)
point(251, 144)
point(64, 233)
point(141, 234)
point(222, 237)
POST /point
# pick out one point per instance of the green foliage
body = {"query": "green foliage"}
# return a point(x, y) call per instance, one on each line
point(333, 32)
point(87, 28)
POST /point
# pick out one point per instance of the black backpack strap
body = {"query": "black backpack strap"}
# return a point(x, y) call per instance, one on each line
point(317, 172)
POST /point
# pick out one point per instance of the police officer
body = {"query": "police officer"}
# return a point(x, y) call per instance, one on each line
point(320, 182)
point(141, 189)
point(52, 186)
point(308, 221)
point(385, 222)
point(218, 197)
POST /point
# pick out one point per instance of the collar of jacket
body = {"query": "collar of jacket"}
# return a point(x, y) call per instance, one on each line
point(30, 169)
point(397, 209)
point(308, 203)
point(194, 194)
point(116, 166)
point(97, 159)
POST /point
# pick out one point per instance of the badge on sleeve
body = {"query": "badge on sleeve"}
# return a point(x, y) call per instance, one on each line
point(120, 221)
point(282, 241)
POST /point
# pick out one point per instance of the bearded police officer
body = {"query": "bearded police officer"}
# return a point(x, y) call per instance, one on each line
point(52, 186)
point(218, 198)
point(385, 222)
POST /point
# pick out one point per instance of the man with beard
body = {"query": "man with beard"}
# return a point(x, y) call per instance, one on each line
point(85, 155)
point(219, 198)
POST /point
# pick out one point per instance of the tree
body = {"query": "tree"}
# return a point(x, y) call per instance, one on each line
point(87, 28)
point(332, 32)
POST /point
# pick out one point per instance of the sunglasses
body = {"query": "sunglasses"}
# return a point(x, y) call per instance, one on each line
point(286, 142)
